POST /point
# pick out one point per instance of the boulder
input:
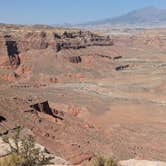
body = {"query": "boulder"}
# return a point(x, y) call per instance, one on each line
point(133, 162)
point(4, 148)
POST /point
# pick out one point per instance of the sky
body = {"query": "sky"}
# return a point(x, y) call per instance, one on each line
point(68, 11)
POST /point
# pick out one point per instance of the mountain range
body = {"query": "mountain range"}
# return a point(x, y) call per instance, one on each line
point(149, 16)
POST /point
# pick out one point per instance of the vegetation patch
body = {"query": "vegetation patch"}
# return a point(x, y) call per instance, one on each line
point(102, 161)
point(23, 152)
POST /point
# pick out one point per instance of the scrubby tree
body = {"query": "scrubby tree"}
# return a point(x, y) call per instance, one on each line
point(23, 151)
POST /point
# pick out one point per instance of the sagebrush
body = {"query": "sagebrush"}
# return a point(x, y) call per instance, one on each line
point(23, 152)
point(102, 161)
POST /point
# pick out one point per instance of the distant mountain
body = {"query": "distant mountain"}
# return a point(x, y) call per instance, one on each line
point(150, 16)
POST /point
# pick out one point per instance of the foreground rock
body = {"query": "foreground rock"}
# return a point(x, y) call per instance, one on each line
point(141, 163)
point(58, 161)
point(4, 148)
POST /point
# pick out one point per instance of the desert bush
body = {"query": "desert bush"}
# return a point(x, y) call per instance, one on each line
point(23, 152)
point(11, 160)
point(110, 162)
point(102, 161)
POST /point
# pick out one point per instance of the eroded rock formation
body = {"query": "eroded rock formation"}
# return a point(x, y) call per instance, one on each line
point(75, 59)
point(80, 40)
point(2, 119)
point(42, 107)
point(121, 67)
point(13, 53)
point(45, 108)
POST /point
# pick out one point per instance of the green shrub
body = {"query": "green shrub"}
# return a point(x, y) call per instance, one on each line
point(23, 152)
point(11, 160)
point(99, 161)
point(110, 162)
point(102, 161)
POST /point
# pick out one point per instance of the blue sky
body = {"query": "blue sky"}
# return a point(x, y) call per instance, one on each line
point(68, 11)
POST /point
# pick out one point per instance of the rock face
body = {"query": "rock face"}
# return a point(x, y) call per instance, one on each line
point(13, 53)
point(15, 44)
point(2, 119)
point(141, 163)
point(80, 40)
point(75, 59)
point(45, 108)
point(42, 107)
point(117, 57)
point(32, 40)
point(41, 40)
point(3, 49)
point(4, 148)
point(58, 161)
point(12, 48)
point(122, 67)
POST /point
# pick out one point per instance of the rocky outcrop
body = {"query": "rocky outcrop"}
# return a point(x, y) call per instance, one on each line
point(12, 51)
point(45, 108)
point(57, 161)
point(117, 57)
point(12, 48)
point(33, 40)
point(69, 44)
point(121, 67)
point(42, 107)
point(141, 163)
point(75, 59)
point(80, 40)
point(2, 119)
point(18, 43)
point(4, 148)
point(10, 77)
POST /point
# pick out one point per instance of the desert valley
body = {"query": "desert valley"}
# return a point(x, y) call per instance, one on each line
point(82, 93)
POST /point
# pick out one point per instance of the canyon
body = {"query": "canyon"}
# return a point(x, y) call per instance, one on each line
point(84, 94)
